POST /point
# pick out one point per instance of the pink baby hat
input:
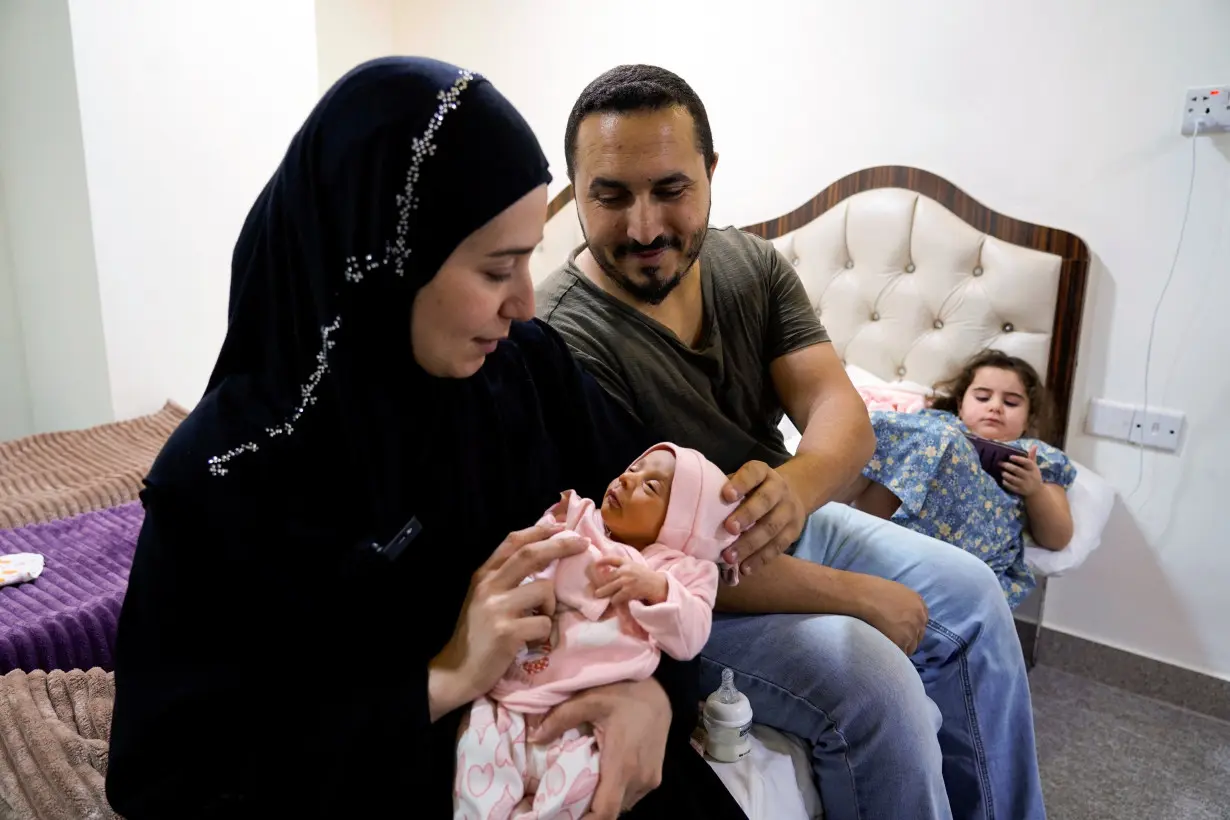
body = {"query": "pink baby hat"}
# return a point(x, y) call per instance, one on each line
point(696, 512)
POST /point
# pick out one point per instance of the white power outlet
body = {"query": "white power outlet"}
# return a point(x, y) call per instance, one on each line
point(1210, 106)
point(1158, 428)
point(1111, 419)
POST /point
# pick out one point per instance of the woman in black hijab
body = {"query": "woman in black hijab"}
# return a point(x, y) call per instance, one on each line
point(326, 576)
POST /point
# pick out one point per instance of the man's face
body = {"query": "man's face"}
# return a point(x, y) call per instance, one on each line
point(643, 197)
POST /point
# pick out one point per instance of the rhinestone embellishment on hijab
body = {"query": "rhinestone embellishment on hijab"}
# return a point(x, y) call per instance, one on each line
point(423, 147)
point(396, 252)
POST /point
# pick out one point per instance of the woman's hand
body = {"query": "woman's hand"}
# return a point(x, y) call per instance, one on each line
point(630, 722)
point(622, 581)
point(499, 616)
point(1022, 475)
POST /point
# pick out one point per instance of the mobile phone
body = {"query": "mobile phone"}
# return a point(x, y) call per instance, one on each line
point(992, 454)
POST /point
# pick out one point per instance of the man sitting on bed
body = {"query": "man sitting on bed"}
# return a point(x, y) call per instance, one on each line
point(706, 335)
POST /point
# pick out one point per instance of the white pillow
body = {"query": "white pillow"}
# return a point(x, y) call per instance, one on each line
point(863, 378)
point(1091, 498)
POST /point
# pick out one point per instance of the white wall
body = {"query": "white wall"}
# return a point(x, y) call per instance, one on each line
point(14, 388)
point(1061, 112)
point(186, 110)
point(349, 32)
point(49, 320)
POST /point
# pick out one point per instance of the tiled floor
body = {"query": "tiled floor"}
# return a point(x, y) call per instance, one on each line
point(1106, 754)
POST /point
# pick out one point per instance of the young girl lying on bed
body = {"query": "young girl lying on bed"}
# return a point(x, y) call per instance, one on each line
point(926, 475)
point(646, 584)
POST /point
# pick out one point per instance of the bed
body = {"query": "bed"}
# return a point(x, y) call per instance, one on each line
point(67, 618)
point(70, 497)
point(56, 475)
point(911, 276)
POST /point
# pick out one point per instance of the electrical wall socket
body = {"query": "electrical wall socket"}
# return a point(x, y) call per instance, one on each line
point(1159, 428)
point(1110, 419)
point(1211, 105)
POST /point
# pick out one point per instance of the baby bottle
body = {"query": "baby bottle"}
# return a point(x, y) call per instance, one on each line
point(728, 722)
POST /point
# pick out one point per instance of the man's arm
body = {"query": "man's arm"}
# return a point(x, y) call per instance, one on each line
point(792, 585)
point(837, 441)
point(837, 437)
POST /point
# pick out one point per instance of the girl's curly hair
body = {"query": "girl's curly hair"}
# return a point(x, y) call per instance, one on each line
point(949, 394)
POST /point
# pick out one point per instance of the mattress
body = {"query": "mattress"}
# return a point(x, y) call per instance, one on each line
point(55, 475)
point(67, 617)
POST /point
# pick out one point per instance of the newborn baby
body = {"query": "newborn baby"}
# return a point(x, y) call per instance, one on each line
point(645, 585)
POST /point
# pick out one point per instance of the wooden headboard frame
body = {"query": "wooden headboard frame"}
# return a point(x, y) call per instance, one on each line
point(1074, 269)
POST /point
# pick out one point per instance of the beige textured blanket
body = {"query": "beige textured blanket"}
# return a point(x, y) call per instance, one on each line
point(55, 728)
point(55, 475)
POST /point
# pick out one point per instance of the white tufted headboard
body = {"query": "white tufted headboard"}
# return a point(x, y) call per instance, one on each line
point(911, 277)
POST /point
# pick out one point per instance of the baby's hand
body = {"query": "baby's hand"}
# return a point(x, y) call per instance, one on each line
point(560, 511)
point(623, 581)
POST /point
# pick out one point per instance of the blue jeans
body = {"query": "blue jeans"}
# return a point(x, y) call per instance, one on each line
point(945, 733)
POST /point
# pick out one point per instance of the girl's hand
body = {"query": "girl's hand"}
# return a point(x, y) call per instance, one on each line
point(500, 615)
point(622, 581)
point(1022, 474)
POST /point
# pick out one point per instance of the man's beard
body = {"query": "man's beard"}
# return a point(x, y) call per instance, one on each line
point(652, 291)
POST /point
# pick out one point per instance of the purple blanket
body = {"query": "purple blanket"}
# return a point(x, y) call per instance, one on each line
point(66, 618)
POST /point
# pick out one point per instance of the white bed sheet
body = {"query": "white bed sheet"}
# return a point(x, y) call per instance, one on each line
point(774, 781)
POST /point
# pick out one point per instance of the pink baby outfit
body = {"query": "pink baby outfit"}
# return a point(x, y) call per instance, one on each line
point(592, 643)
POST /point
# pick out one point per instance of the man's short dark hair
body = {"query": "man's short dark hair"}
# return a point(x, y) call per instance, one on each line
point(628, 88)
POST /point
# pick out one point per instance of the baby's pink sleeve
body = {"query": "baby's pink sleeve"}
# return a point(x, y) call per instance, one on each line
point(572, 586)
point(681, 624)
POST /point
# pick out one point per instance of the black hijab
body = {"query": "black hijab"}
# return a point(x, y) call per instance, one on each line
point(315, 393)
point(317, 439)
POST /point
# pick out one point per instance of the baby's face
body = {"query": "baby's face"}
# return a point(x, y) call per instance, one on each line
point(634, 507)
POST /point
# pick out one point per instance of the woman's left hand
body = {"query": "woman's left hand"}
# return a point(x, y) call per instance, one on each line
point(1022, 474)
point(630, 721)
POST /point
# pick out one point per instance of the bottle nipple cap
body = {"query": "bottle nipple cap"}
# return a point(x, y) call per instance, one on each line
point(728, 693)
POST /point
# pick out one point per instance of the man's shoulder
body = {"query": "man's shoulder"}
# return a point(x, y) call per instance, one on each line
point(559, 290)
point(734, 249)
point(583, 318)
point(736, 240)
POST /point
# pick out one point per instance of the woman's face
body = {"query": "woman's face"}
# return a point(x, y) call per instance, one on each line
point(634, 507)
point(466, 309)
point(996, 405)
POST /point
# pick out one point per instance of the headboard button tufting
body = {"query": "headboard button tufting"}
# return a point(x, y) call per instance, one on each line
point(909, 268)
point(939, 324)
point(849, 264)
point(875, 317)
point(900, 371)
point(978, 271)
point(795, 261)
point(1008, 328)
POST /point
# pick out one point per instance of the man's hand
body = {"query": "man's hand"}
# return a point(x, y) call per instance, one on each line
point(770, 517)
point(894, 609)
point(630, 722)
point(623, 581)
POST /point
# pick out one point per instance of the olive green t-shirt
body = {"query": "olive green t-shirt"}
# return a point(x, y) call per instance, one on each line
point(718, 397)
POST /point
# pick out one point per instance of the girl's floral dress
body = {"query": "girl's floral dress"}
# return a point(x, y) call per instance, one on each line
point(926, 461)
